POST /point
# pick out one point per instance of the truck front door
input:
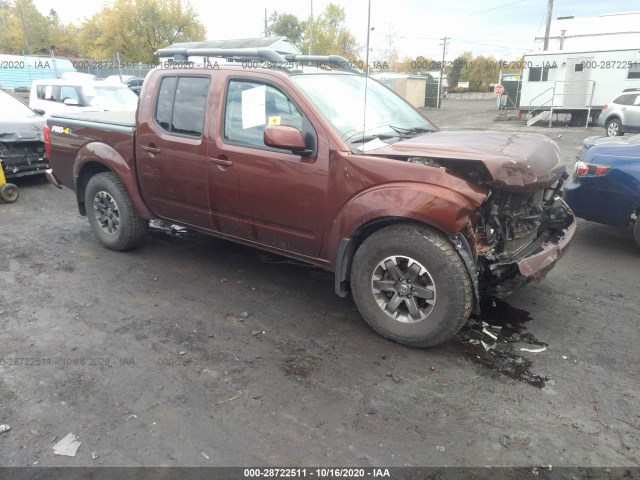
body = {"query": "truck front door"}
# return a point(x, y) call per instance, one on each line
point(270, 196)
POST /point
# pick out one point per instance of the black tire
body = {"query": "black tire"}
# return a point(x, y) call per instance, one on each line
point(9, 193)
point(111, 214)
point(636, 231)
point(377, 291)
point(613, 128)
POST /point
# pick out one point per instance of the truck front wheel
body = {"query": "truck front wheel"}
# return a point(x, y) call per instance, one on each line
point(111, 213)
point(411, 286)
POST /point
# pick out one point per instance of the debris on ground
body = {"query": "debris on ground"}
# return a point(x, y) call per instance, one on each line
point(205, 455)
point(182, 352)
point(94, 455)
point(395, 379)
point(131, 416)
point(439, 448)
point(505, 440)
point(4, 428)
point(227, 400)
point(68, 446)
point(245, 314)
point(257, 333)
point(533, 350)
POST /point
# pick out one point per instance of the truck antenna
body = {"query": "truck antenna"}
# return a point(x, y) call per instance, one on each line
point(366, 75)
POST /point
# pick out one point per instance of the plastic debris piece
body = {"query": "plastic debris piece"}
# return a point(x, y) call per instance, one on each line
point(182, 352)
point(68, 446)
point(505, 440)
point(439, 448)
point(255, 333)
point(487, 347)
point(533, 350)
point(94, 455)
point(488, 333)
point(4, 428)
point(564, 357)
point(205, 455)
point(131, 416)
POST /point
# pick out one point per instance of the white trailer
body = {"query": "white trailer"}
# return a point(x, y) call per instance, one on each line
point(578, 83)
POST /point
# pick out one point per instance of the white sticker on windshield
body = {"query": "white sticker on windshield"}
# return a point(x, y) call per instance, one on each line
point(372, 145)
point(253, 109)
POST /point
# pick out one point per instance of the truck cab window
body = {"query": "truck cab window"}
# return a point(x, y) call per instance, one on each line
point(251, 106)
point(181, 106)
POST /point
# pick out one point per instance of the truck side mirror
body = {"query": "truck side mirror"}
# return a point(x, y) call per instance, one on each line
point(285, 137)
point(72, 102)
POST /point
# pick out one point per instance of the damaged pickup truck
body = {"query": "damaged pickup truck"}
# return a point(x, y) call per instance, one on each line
point(21, 139)
point(324, 165)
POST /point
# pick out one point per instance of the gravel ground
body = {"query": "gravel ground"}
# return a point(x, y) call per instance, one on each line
point(193, 351)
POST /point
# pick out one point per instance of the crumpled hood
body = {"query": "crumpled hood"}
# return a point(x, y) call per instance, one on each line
point(515, 161)
point(22, 129)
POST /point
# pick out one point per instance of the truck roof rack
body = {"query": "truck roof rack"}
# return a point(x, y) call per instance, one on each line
point(631, 90)
point(182, 52)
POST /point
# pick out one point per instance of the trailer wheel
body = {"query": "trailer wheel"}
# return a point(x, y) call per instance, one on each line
point(111, 214)
point(614, 128)
point(9, 193)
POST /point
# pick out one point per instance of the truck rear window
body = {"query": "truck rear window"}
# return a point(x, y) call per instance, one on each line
point(181, 105)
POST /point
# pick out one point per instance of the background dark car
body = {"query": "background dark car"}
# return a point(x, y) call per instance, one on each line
point(605, 185)
point(21, 138)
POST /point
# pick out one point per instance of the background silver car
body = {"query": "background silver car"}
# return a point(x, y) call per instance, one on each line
point(622, 114)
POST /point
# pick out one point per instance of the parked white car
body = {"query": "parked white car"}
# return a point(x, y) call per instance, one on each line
point(68, 96)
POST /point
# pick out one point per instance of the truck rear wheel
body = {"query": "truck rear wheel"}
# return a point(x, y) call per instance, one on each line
point(111, 214)
point(411, 286)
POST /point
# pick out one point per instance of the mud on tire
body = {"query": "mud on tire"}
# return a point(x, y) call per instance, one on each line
point(411, 285)
point(111, 214)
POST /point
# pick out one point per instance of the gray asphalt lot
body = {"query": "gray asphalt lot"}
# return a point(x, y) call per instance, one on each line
point(193, 351)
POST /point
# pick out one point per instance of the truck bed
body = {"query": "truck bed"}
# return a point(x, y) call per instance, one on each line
point(117, 119)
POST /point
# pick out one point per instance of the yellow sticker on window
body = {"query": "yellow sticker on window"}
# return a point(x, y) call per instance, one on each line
point(274, 120)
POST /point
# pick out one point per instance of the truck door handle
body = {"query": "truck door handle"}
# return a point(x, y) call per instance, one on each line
point(150, 149)
point(222, 162)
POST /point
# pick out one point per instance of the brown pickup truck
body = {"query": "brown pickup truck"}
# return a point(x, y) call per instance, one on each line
point(320, 163)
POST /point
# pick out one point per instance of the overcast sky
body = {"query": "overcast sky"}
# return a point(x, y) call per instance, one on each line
point(503, 28)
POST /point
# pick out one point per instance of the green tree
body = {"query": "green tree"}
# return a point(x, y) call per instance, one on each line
point(137, 28)
point(23, 29)
point(458, 64)
point(330, 34)
point(286, 25)
point(63, 38)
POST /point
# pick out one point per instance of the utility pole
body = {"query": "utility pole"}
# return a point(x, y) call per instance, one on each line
point(546, 32)
point(311, 28)
point(266, 29)
point(441, 80)
point(24, 29)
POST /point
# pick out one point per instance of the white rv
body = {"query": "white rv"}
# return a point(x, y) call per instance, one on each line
point(578, 83)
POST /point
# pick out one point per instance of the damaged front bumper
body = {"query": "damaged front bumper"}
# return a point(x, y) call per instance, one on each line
point(535, 266)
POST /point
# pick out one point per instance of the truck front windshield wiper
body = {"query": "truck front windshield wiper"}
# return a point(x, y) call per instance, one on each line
point(408, 131)
point(359, 138)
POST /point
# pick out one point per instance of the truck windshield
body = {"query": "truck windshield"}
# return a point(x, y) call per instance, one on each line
point(340, 98)
point(116, 96)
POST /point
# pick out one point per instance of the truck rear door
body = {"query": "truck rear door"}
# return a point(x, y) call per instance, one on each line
point(171, 149)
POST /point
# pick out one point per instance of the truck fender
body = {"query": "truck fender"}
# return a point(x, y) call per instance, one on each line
point(96, 157)
point(445, 210)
